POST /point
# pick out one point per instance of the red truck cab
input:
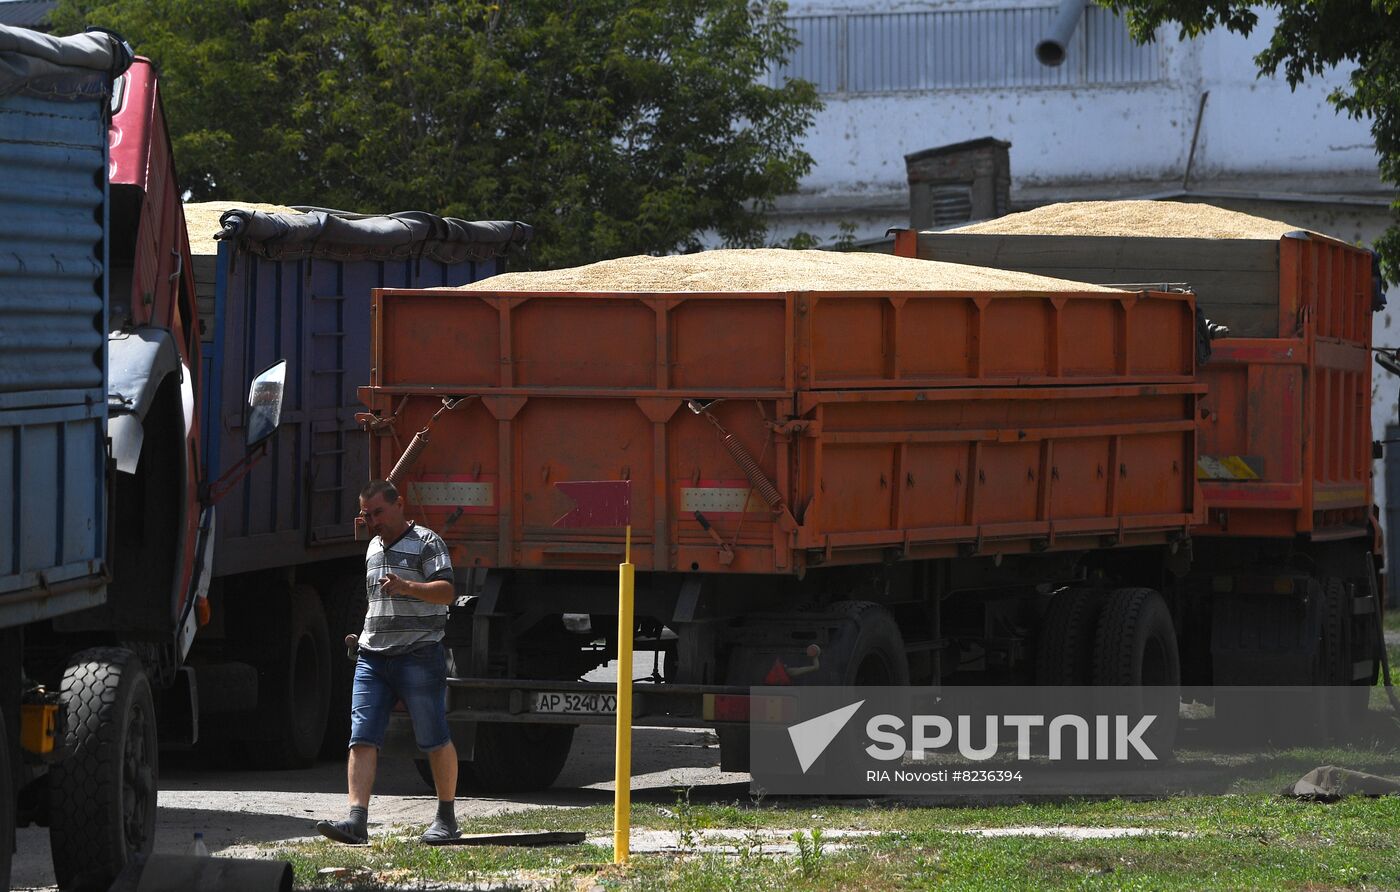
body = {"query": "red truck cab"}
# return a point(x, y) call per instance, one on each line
point(161, 533)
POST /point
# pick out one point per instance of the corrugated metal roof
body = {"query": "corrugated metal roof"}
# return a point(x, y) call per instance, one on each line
point(27, 13)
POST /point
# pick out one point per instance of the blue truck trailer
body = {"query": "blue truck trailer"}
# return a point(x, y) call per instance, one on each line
point(162, 563)
point(288, 574)
point(55, 101)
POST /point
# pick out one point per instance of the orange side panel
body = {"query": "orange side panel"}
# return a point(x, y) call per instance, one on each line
point(981, 422)
point(1295, 410)
point(863, 339)
point(918, 470)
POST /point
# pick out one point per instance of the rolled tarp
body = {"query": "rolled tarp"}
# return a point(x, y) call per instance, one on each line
point(77, 67)
point(404, 235)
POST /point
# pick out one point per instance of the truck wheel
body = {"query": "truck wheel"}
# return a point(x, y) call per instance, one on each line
point(7, 809)
point(1338, 709)
point(510, 758)
point(103, 793)
point(1366, 637)
point(345, 615)
point(1135, 646)
point(297, 681)
point(1064, 652)
point(517, 758)
point(866, 648)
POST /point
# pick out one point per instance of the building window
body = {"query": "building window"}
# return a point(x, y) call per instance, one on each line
point(962, 49)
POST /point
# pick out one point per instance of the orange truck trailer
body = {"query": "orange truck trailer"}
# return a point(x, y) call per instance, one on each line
point(1287, 564)
point(844, 469)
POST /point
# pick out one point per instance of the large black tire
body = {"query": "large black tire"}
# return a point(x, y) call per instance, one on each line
point(1335, 711)
point(516, 758)
point(103, 792)
point(1367, 640)
point(1135, 644)
point(1064, 652)
point(1135, 647)
point(345, 615)
point(294, 688)
point(866, 648)
point(510, 758)
point(7, 809)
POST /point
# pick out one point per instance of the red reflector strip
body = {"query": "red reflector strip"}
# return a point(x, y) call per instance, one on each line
point(726, 707)
point(742, 707)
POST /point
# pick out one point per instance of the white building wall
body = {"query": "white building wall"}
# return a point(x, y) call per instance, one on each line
point(1095, 141)
point(1263, 148)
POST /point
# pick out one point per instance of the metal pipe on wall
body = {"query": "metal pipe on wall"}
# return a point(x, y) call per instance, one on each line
point(1054, 47)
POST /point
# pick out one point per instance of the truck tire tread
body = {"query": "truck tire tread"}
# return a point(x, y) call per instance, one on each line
point(295, 746)
point(7, 809)
point(1065, 646)
point(101, 687)
point(1128, 618)
point(510, 758)
point(1337, 655)
point(345, 605)
point(866, 628)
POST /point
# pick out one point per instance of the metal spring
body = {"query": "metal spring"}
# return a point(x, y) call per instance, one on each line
point(420, 439)
point(409, 457)
point(751, 470)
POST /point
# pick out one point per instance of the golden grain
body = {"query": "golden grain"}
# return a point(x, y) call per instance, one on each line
point(202, 220)
point(774, 269)
point(1151, 219)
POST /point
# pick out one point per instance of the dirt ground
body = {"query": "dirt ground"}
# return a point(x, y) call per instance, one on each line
point(235, 808)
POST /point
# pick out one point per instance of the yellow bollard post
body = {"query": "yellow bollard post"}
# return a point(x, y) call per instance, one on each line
point(622, 798)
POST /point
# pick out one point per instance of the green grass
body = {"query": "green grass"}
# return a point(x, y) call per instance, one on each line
point(1245, 841)
point(1250, 839)
point(1392, 620)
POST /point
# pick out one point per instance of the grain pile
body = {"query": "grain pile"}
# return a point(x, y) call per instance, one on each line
point(773, 269)
point(1151, 219)
point(202, 220)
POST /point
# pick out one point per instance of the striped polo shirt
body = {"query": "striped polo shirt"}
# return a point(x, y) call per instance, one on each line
point(396, 624)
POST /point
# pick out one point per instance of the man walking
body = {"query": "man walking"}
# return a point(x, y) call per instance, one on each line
point(408, 575)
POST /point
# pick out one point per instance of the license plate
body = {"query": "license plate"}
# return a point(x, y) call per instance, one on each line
point(582, 704)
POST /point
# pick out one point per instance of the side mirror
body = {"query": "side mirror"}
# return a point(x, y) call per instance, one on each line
point(265, 403)
point(1388, 362)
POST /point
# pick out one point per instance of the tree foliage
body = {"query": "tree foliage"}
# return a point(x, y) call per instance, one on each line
point(1312, 36)
point(614, 126)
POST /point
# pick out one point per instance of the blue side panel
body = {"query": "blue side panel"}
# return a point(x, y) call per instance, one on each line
point(53, 399)
point(51, 333)
point(211, 379)
point(297, 505)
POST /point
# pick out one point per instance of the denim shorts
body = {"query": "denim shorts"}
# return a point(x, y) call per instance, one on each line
point(418, 678)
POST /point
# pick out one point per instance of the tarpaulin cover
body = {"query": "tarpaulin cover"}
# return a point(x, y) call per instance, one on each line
point(1330, 782)
point(395, 236)
point(79, 66)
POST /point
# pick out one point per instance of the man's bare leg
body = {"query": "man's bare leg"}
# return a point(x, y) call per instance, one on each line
point(360, 767)
point(443, 762)
point(360, 771)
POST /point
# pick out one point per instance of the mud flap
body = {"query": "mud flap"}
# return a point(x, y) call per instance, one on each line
point(1267, 638)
